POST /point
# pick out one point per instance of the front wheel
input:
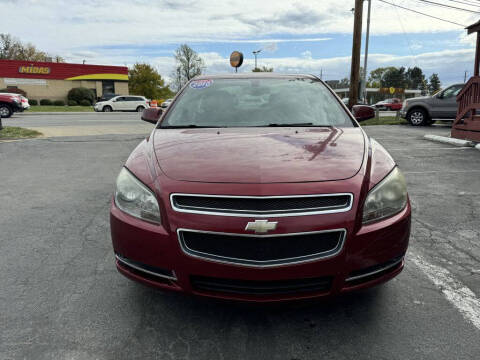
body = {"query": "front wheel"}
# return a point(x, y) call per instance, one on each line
point(418, 117)
point(140, 109)
point(107, 109)
point(5, 111)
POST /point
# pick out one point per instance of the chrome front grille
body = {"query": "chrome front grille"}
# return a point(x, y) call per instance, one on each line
point(261, 206)
point(261, 250)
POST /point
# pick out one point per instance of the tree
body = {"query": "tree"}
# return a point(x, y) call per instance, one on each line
point(12, 49)
point(376, 76)
point(394, 77)
point(262, 69)
point(414, 78)
point(144, 80)
point(434, 83)
point(188, 64)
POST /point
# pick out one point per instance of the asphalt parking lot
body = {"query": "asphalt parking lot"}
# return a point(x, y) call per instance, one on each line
point(62, 298)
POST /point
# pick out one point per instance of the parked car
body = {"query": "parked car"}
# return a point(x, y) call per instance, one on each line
point(106, 97)
point(359, 101)
point(10, 103)
point(259, 187)
point(389, 104)
point(427, 109)
point(166, 103)
point(123, 103)
point(25, 104)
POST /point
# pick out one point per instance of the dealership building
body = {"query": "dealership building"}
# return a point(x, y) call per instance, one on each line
point(51, 80)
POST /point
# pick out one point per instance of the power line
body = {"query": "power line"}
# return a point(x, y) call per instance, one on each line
point(421, 13)
point(449, 6)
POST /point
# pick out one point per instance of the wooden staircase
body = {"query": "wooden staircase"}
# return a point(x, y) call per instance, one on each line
point(467, 122)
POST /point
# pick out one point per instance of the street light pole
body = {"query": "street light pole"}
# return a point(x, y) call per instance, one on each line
point(255, 53)
point(364, 80)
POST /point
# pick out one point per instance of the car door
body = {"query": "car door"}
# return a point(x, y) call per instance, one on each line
point(120, 103)
point(445, 103)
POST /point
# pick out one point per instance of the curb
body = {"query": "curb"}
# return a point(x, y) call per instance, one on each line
point(449, 140)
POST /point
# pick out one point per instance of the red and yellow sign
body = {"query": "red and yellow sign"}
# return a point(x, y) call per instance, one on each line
point(34, 70)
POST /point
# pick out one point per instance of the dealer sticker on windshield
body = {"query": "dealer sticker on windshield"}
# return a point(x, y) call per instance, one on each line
point(201, 84)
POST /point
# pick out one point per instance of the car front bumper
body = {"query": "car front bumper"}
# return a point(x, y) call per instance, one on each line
point(151, 254)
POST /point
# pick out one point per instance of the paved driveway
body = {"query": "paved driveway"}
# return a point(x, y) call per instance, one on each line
point(61, 297)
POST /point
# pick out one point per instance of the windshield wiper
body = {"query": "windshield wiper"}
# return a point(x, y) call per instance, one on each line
point(185, 126)
point(296, 124)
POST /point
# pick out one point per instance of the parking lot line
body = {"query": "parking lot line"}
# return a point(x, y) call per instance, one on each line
point(455, 292)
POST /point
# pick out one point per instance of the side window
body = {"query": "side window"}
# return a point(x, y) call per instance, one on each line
point(121, 98)
point(452, 91)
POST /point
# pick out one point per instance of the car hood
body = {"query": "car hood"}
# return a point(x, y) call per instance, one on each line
point(418, 98)
point(259, 155)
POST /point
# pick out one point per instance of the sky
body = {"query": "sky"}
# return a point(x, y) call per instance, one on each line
point(308, 36)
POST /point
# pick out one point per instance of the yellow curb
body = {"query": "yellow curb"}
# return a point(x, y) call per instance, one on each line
point(57, 131)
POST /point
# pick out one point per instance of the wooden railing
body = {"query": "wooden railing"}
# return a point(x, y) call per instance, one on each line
point(467, 122)
point(469, 99)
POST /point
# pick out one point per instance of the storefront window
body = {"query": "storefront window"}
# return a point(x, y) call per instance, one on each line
point(108, 87)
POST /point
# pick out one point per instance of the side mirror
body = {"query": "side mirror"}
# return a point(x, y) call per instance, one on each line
point(363, 112)
point(151, 115)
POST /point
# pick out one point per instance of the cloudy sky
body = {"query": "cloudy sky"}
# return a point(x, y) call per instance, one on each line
point(308, 36)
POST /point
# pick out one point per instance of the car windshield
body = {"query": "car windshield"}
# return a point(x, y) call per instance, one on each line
point(250, 102)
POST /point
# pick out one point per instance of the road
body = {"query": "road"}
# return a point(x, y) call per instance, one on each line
point(81, 124)
point(61, 297)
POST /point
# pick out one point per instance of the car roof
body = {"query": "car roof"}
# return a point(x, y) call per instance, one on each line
point(254, 75)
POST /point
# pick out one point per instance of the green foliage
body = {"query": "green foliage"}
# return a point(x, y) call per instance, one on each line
point(188, 64)
point(59, 103)
point(80, 94)
point(85, 102)
point(411, 78)
point(72, 103)
point(45, 102)
point(145, 80)
point(434, 83)
point(13, 49)
point(376, 76)
point(13, 132)
point(33, 102)
point(415, 78)
point(262, 69)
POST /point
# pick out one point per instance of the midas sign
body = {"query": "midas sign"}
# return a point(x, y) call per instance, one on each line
point(44, 70)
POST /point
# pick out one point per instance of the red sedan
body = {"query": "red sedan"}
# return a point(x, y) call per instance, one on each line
point(259, 187)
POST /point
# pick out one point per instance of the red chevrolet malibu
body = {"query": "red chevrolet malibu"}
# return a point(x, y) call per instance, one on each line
point(259, 188)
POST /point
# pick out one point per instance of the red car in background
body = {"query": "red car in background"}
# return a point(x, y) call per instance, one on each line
point(389, 104)
point(10, 103)
point(259, 187)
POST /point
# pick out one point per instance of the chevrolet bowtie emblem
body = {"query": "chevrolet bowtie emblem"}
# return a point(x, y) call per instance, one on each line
point(261, 226)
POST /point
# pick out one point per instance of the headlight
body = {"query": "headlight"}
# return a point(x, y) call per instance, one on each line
point(387, 198)
point(134, 198)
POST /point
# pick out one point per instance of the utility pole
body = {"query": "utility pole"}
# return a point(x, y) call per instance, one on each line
point(255, 53)
point(465, 77)
point(321, 73)
point(364, 80)
point(356, 46)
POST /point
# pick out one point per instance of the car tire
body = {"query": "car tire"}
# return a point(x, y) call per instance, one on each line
point(107, 108)
point(140, 108)
point(418, 117)
point(5, 111)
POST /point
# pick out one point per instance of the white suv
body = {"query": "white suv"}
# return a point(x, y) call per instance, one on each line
point(123, 103)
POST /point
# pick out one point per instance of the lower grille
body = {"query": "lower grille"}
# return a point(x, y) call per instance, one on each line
point(261, 288)
point(374, 272)
point(144, 270)
point(261, 250)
